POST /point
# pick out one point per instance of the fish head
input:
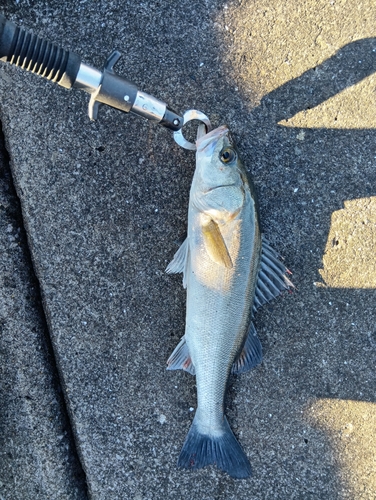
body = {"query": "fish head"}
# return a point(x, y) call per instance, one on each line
point(220, 180)
point(217, 160)
point(219, 203)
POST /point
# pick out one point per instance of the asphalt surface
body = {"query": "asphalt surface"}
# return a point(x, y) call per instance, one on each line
point(38, 457)
point(88, 316)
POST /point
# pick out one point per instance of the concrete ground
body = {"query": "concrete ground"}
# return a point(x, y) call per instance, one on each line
point(88, 316)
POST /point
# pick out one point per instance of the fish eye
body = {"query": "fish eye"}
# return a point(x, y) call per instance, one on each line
point(227, 155)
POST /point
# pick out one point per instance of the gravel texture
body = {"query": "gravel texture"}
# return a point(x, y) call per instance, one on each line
point(104, 206)
point(37, 451)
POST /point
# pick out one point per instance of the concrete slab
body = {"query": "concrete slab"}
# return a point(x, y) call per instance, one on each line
point(105, 204)
point(37, 452)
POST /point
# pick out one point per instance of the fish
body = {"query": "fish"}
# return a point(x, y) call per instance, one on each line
point(229, 271)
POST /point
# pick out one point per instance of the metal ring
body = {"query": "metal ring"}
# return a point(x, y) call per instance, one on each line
point(191, 114)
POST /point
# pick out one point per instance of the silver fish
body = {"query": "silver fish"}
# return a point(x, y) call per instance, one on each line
point(228, 271)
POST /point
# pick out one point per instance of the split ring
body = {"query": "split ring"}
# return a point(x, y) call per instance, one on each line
point(189, 115)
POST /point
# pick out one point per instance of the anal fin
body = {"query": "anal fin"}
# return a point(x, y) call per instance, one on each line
point(180, 359)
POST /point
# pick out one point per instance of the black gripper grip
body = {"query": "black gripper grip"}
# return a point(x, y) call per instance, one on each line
point(37, 55)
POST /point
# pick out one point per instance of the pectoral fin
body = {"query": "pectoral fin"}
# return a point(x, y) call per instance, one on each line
point(215, 244)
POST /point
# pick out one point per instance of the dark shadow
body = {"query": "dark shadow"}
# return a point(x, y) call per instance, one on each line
point(351, 64)
point(326, 168)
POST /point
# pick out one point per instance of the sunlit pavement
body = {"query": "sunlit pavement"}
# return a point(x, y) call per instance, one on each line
point(104, 207)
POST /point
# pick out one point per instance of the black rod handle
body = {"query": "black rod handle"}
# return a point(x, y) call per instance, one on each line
point(37, 55)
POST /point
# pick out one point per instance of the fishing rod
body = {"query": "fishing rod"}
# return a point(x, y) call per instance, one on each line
point(32, 53)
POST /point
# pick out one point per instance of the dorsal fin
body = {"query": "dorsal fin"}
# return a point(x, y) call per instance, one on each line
point(272, 279)
point(251, 354)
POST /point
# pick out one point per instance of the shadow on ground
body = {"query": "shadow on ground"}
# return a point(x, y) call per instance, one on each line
point(104, 205)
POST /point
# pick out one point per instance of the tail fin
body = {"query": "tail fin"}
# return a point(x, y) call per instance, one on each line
point(224, 451)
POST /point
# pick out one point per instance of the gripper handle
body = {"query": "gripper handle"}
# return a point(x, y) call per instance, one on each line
point(37, 55)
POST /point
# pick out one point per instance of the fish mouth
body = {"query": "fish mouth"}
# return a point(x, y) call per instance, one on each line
point(211, 138)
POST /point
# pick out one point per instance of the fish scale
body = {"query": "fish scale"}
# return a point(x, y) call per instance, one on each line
point(220, 321)
point(225, 265)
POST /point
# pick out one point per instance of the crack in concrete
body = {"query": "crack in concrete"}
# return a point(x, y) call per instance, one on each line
point(46, 347)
